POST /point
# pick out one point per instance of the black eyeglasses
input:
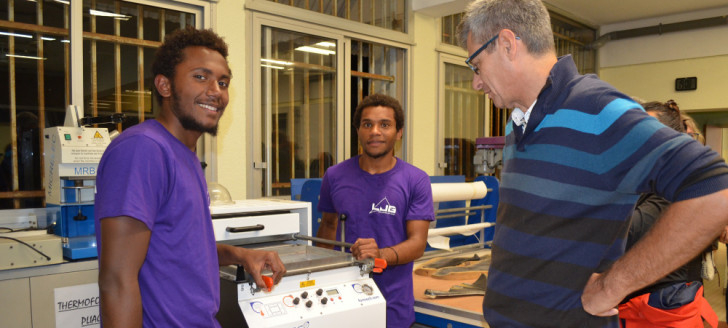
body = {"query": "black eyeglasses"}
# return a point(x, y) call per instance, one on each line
point(475, 54)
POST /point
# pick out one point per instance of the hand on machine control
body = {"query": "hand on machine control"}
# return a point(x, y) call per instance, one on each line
point(365, 248)
point(255, 261)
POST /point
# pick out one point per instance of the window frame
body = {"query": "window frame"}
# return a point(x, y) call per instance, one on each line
point(335, 23)
point(443, 59)
point(254, 174)
point(74, 84)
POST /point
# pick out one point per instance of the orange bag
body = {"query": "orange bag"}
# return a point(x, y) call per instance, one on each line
point(637, 313)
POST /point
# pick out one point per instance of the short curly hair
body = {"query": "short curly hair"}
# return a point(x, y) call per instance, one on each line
point(379, 100)
point(170, 54)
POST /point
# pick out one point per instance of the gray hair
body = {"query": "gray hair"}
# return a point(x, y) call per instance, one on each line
point(528, 19)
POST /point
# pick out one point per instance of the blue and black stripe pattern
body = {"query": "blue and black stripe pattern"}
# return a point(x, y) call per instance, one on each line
point(569, 184)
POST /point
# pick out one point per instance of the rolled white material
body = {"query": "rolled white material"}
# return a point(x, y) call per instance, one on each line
point(436, 238)
point(439, 242)
point(445, 192)
point(465, 230)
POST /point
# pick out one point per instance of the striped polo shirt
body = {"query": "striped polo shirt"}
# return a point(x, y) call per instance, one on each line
point(568, 186)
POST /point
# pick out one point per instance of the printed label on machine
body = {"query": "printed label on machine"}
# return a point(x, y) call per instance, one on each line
point(308, 283)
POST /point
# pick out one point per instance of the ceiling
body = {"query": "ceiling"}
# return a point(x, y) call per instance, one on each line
point(593, 12)
point(602, 12)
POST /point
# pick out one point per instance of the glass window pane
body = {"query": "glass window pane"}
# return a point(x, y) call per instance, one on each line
point(329, 7)
point(26, 113)
point(151, 24)
point(55, 75)
point(129, 20)
point(389, 14)
point(299, 98)
point(4, 10)
point(175, 20)
point(54, 14)
point(130, 80)
point(104, 75)
point(355, 10)
point(464, 112)
point(448, 29)
point(101, 15)
point(25, 11)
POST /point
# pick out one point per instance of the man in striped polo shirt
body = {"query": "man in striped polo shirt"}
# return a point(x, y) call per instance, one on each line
point(578, 154)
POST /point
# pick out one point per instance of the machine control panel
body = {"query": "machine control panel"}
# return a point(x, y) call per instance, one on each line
point(310, 304)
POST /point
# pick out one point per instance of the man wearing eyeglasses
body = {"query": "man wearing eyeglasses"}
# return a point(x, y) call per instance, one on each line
point(578, 154)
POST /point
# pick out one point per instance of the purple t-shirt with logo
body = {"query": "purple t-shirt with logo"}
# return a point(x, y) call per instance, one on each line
point(149, 175)
point(378, 206)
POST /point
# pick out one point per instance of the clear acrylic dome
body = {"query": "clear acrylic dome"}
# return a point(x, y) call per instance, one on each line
point(219, 195)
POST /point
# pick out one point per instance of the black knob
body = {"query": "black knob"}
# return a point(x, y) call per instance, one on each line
point(304, 295)
point(324, 300)
point(319, 292)
point(309, 303)
point(296, 301)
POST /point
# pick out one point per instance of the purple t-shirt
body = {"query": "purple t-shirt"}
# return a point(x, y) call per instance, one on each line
point(378, 206)
point(149, 175)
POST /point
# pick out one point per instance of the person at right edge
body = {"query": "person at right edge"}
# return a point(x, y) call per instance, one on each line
point(578, 154)
point(675, 300)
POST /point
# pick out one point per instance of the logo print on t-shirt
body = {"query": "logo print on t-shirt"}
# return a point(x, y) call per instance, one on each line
point(384, 207)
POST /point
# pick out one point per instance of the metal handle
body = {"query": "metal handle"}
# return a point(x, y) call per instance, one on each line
point(323, 241)
point(256, 227)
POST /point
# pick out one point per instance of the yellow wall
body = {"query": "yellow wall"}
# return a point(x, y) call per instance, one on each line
point(232, 148)
point(423, 109)
point(656, 81)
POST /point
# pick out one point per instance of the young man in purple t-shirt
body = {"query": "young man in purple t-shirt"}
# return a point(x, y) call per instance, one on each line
point(158, 260)
point(387, 202)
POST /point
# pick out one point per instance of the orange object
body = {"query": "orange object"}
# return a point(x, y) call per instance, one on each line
point(638, 314)
point(379, 265)
point(268, 282)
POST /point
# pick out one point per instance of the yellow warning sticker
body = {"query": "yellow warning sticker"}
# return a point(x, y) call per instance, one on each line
point(308, 283)
point(97, 135)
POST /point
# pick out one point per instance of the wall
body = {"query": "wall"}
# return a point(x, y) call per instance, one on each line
point(424, 94)
point(656, 81)
point(232, 162)
point(647, 67)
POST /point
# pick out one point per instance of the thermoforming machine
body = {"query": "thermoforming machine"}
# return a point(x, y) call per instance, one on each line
point(72, 156)
point(322, 287)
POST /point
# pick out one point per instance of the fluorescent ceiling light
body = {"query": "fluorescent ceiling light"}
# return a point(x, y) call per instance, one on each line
point(271, 66)
point(66, 41)
point(47, 38)
point(108, 14)
point(273, 61)
point(144, 92)
point(26, 57)
point(27, 36)
point(65, 2)
point(316, 50)
point(326, 44)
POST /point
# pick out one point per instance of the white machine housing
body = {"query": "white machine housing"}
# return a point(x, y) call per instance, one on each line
point(72, 153)
point(322, 287)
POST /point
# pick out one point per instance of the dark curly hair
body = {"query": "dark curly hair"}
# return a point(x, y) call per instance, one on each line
point(668, 113)
point(170, 54)
point(379, 100)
